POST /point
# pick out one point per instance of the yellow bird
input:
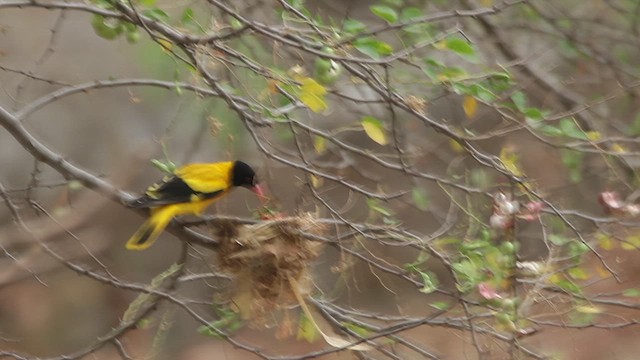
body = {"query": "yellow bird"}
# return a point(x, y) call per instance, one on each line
point(190, 190)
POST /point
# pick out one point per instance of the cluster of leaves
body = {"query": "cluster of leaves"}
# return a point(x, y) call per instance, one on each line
point(227, 323)
point(483, 261)
point(109, 29)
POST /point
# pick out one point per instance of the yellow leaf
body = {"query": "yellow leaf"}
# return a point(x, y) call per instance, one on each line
point(312, 95)
point(555, 278)
point(486, 3)
point(166, 45)
point(594, 135)
point(320, 144)
point(316, 182)
point(456, 147)
point(603, 272)
point(470, 106)
point(618, 148)
point(588, 309)
point(375, 131)
point(578, 273)
point(626, 246)
point(510, 160)
point(605, 242)
point(631, 243)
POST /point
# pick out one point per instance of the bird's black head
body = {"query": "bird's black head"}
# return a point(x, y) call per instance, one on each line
point(243, 175)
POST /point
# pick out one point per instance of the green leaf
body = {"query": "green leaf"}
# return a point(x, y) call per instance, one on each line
point(572, 159)
point(163, 329)
point(385, 13)
point(164, 166)
point(482, 93)
point(187, 16)
point(297, 4)
point(410, 13)
point(534, 123)
point(468, 274)
point(452, 73)
point(133, 36)
point(433, 68)
point(307, 329)
point(570, 129)
point(503, 76)
point(533, 113)
point(423, 256)
point(461, 47)
point(558, 240)
point(396, 3)
point(578, 318)
point(236, 24)
point(472, 245)
point(568, 126)
point(519, 100)
point(106, 28)
point(373, 47)
point(633, 292)
point(156, 14)
point(430, 282)
point(440, 305)
point(148, 3)
point(550, 130)
point(374, 205)
point(374, 129)
point(128, 27)
point(229, 321)
point(210, 330)
point(420, 198)
point(634, 128)
point(569, 286)
point(575, 175)
point(577, 249)
point(360, 330)
point(353, 26)
point(178, 89)
point(480, 178)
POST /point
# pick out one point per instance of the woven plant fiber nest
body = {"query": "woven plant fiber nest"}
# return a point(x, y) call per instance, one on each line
point(265, 257)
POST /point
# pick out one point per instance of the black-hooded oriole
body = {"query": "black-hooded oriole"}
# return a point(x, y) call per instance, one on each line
point(189, 190)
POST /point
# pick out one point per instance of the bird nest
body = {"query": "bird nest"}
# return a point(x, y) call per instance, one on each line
point(267, 259)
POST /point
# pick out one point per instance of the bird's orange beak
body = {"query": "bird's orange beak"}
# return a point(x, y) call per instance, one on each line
point(257, 189)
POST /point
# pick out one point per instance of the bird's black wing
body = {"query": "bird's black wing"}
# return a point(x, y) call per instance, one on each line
point(171, 190)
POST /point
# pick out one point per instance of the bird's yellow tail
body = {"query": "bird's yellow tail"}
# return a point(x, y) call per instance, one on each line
point(149, 232)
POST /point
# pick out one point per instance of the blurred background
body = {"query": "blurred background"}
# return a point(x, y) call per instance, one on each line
point(426, 111)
